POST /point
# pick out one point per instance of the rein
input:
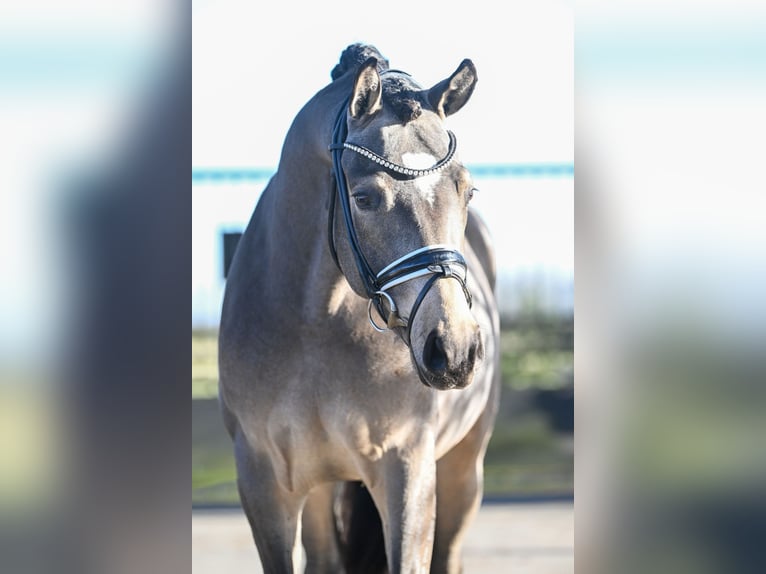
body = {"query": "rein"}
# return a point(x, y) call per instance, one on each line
point(432, 261)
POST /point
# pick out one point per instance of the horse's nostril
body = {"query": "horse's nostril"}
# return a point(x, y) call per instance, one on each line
point(434, 356)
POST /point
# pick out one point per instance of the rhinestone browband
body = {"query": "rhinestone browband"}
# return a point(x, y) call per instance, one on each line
point(369, 154)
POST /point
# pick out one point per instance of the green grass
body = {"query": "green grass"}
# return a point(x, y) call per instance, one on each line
point(537, 352)
point(204, 364)
point(525, 458)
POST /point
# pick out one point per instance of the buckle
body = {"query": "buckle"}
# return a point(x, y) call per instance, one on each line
point(394, 320)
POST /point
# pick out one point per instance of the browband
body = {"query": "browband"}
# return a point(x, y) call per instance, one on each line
point(400, 169)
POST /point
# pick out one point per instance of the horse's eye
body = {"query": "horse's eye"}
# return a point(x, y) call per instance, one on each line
point(469, 195)
point(364, 200)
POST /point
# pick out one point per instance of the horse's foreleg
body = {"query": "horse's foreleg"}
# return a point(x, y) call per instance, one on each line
point(405, 495)
point(319, 540)
point(459, 476)
point(274, 513)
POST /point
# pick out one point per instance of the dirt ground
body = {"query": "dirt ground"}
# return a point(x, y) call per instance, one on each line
point(522, 538)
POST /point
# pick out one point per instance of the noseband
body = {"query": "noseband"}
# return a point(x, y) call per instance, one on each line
point(432, 261)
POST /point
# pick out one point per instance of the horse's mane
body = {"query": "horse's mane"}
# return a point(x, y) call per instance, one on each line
point(356, 55)
point(400, 92)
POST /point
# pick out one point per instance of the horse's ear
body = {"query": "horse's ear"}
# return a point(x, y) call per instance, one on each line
point(449, 95)
point(365, 99)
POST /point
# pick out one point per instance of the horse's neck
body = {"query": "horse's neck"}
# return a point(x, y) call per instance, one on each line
point(303, 181)
point(299, 217)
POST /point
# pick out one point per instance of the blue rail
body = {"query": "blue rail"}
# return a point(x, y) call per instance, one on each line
point(231, 175)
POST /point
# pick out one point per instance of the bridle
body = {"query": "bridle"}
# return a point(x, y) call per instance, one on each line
point(432, 261)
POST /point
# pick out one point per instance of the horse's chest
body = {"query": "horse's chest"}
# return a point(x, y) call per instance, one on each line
point(458, 412)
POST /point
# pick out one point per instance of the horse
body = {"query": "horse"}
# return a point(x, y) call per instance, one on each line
point(358, 343)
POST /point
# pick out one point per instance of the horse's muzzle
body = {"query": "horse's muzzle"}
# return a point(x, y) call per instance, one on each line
point(446, 365)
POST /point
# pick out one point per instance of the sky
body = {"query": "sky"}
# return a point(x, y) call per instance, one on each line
point(254, 68)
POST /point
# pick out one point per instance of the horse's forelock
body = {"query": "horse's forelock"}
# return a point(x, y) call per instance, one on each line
point(406, 109)
point(401, 94)
point(403, 97)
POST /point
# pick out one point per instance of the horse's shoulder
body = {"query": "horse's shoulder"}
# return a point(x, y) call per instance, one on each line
point(478, 236)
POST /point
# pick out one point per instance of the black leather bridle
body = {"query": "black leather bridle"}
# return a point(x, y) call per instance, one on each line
point(432, 261)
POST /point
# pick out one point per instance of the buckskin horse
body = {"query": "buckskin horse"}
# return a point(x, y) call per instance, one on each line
point(358, 345)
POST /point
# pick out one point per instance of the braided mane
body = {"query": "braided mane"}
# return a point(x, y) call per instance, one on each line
point(354, 56)
point(400, 93)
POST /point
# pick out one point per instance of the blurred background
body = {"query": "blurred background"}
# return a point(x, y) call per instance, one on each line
point(96, 221)
point(516, 136)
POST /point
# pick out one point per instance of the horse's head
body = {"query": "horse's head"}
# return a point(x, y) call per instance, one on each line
point(407, 199)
